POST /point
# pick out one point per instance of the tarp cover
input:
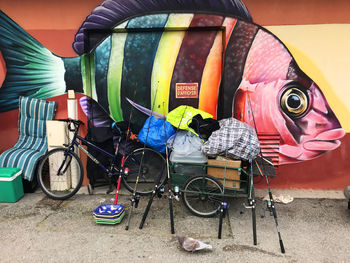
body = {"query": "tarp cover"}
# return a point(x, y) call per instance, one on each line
point(153, 133)
point(235, 138)
point(182, 115)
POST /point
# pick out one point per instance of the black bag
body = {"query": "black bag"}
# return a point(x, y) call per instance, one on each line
point(204, 127)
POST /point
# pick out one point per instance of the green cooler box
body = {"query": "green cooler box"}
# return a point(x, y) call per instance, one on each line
point(11, 186)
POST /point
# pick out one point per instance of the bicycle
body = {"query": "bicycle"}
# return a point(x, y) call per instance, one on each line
point(60, 171)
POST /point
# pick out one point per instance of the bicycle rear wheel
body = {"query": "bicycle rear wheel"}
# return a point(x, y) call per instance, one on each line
point(201, 195)
point(60, 174)
point(153, 166)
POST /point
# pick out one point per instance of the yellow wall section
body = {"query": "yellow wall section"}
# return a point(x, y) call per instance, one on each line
point(323, 53)
point(114, 76)
point(164, 62)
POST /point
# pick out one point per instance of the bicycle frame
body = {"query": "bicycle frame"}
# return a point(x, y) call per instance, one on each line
point(74, 142)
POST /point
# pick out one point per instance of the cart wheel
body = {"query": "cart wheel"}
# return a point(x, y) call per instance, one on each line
point(201, 195)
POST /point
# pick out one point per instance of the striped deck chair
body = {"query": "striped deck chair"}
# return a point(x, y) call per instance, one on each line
point(32, 141)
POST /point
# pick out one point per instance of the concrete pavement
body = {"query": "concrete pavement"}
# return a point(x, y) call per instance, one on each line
point(38, 229)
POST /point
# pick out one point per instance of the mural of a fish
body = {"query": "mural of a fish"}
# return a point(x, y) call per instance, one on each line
point(207, 54)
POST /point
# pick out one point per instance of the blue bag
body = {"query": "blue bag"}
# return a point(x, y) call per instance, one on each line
point(156, 135)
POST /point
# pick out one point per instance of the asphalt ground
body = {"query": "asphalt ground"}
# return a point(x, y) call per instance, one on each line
point(38, 229)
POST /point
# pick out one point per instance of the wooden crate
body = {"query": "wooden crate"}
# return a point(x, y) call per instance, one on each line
point(231, 174)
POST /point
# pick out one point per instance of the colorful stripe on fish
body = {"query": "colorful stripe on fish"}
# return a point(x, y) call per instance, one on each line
point(211, 47)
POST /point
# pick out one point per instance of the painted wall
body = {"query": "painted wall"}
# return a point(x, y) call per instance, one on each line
point(303, 31)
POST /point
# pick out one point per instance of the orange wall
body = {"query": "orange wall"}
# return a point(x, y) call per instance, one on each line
point(54, 22)
point(298, 12)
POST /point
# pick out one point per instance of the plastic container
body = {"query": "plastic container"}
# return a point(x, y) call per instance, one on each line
point(11, 186)
point(187, 148)
point(194, 157)
point(188, 169)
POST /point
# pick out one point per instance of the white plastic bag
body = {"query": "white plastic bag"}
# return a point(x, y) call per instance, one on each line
point(187, 147)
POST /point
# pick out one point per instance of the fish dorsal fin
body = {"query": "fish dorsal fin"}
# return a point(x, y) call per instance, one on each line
point(113, 12)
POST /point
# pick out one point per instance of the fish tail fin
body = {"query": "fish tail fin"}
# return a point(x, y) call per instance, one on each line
point(31, 69)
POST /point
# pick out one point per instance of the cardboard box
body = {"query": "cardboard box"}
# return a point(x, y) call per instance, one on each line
point(11, 187)
point(231, 174)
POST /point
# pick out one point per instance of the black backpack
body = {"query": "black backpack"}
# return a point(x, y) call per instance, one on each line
point(204, 127)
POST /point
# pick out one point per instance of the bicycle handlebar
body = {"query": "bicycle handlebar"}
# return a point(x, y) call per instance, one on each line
point(116, 130)
point(76, 123)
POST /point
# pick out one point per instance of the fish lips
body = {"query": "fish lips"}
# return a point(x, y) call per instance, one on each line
point(325, 141)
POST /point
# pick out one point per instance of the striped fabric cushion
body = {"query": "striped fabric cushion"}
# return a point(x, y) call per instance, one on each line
point(32, 141)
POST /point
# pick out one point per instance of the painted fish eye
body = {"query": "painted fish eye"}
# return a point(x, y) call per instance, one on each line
point(294, 101)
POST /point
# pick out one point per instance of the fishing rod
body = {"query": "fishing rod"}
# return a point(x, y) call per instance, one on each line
point(158, 188)
point(126, 170)
point(270, 203)
point(135, 196)
point(271, 207)
point(251, 195)
point(224, 205)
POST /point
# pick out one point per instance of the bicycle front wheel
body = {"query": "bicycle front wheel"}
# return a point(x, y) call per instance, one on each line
point(152, 168)
point(202, 195)
point(60, 174)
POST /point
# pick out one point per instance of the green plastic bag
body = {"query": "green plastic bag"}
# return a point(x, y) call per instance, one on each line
point(182, 115)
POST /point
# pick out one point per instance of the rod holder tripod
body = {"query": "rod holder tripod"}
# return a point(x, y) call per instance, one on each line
point(252, 205)
point(223, 211)
point(159, 191)
point(134, 203)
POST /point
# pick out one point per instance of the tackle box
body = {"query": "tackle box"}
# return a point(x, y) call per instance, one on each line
point(11, 186)
point(109, 214)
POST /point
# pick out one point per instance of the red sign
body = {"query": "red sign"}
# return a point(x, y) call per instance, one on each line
point(186, 90)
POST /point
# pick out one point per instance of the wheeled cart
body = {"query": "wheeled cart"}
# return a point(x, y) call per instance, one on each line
point(205, 187)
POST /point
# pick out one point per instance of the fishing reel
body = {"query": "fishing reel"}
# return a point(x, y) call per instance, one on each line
point(161, 191)
point(251, 204)
point(224, 208)
point(177, 193)
point(270, 207)
point(126, 171)
point(136, 199)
